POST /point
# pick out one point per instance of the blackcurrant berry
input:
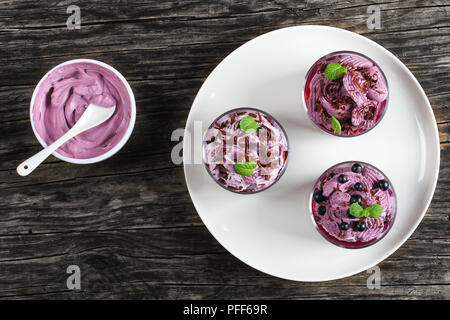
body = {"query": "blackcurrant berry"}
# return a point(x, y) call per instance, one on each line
point(358, 186)
point(343, 225)
point(319, 197)
point(356, 198)
point(383, 185)
point(321, 210)
point(359, 226)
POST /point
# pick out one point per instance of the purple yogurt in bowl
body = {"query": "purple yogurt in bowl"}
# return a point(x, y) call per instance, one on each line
point(245, 150)
point(337, 189)
point(357, 99)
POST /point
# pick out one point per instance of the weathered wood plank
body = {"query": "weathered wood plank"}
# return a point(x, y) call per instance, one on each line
point(444, 133)
point(145, 199)
point(220, 291)
point(96, 197)
point(52, 13)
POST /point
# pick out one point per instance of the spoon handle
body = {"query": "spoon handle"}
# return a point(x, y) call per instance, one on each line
point(28, 166)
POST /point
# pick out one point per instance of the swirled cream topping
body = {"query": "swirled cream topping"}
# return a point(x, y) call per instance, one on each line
point(357, 100)
point(64, 95)
point(226, 145)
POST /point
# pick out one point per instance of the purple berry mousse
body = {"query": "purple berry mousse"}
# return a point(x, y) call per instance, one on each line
point(356, 97)
point(245, 150)
point(341, 186)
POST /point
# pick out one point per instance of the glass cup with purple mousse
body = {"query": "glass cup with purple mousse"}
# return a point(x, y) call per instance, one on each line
point(245, 150)
point(345, 93)
point(353, 204)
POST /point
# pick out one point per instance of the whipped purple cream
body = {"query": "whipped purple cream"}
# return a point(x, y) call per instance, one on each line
point(343, 185)
point(357, 100)
point(226, 144)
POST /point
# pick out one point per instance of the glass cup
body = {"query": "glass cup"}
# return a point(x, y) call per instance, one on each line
point(321, 117)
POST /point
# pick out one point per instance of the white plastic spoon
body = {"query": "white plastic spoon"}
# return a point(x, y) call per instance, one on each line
point(92, 116)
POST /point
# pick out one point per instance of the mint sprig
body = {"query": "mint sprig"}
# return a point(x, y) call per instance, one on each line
point(336, 125)
point(248, 125)
point(245, 168)
point(334, 71)
point(373, 211)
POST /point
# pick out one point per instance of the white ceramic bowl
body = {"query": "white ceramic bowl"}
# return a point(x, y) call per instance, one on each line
point(125, 137)
point(272, 230)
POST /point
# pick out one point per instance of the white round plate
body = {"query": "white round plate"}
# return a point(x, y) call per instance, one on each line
point(272, 231)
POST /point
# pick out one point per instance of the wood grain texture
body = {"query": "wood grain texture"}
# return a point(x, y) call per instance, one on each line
point(128, 222)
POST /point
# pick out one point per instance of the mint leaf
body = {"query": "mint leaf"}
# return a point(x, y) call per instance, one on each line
point(245, 168)
point(356, 210)
point(248, 125)
point(336, 125)
point(374, 211)
point(334, 71)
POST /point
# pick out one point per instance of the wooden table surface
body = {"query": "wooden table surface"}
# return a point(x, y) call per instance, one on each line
point(128, 222)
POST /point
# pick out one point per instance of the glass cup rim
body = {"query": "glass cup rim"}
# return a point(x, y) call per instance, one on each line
point(235, 110)
point(330, 238)
point(335, 53)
